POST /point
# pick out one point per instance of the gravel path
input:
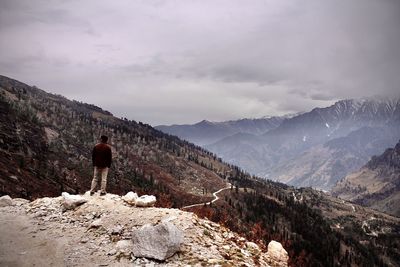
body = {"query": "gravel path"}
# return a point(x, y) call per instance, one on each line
point(23, 243)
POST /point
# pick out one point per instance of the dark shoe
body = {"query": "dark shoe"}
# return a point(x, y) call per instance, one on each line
point(103, 193)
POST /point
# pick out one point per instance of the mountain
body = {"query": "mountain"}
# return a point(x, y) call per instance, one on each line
point(45, 146)
point(46, 142)
point(206, 132)
point(323, 165)
point(319, 147)
point(376, 184)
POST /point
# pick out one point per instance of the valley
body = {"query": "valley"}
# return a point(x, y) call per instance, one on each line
point(312, 149)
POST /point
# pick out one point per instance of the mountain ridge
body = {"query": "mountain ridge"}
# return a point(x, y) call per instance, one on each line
point(376, 184)
point(282, 151)
point(206, 132)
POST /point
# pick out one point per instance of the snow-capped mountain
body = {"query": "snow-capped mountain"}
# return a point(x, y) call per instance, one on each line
point(316, 148)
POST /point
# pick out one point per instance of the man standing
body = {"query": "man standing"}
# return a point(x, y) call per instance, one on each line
point(101, 157)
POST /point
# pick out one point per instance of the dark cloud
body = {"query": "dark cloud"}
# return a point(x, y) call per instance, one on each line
point(181, 61)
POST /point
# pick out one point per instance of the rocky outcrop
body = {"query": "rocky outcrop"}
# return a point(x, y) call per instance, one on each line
point(107, 231)
point(277, 255)
point(156, 242)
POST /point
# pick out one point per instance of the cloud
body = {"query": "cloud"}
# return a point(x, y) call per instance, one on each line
point(183, 61)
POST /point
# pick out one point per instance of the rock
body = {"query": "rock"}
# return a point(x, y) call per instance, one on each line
point(112, 252)
point(6, 201)
point(253, 247)
point(124, 248)
point(96, 224)
point(226, 247)
point(130, 198)
point(277, 255)
point(157, 242)
point(213, 261)
point(72, 201)
point(145, 201)
point(116, 230)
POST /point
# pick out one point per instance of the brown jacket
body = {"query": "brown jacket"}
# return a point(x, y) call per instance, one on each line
point(101, 155)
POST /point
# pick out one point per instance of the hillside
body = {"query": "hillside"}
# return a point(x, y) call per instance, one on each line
point(375, 185)
point(100, 232)
point(46, 142)
point(315, 229)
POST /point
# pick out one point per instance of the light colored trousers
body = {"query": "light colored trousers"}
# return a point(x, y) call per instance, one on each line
point(103, 172)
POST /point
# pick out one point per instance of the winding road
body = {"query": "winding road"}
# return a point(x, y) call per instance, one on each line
point(212, 201)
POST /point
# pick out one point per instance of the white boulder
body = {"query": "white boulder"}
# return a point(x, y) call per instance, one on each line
point(145, 201)
point(277, 255)
point(72, 201)
point(130, 198)
point(6, 201)
point(156, 242)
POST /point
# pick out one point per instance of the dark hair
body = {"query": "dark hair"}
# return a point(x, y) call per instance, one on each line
point(104, 139)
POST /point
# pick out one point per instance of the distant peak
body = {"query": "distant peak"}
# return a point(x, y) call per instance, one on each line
point(286, 116)
point(205, 122)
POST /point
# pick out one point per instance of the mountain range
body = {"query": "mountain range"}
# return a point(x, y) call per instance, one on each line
point(315, 148)
point(376, 184)
point(207, 132)
point(45, 146)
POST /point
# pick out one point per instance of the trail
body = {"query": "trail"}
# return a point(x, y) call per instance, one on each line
point(24, 244)
point(212, 201)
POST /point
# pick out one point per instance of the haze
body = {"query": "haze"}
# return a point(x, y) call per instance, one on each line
point(165, 62)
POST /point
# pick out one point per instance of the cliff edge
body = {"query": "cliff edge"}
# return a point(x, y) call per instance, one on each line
point(107, 231)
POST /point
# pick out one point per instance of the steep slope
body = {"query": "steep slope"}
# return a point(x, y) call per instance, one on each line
point(46, 141)
point(99, 233)
point(322, 166)
point(206, 132)
point(291, 152)
point(314, 228)
point(375, 185)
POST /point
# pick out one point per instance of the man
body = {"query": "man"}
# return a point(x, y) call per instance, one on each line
point(101, 157)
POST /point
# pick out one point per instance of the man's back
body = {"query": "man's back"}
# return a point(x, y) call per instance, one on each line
point(101, 155)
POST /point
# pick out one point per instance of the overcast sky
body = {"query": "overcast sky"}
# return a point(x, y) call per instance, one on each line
point(165, 62)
